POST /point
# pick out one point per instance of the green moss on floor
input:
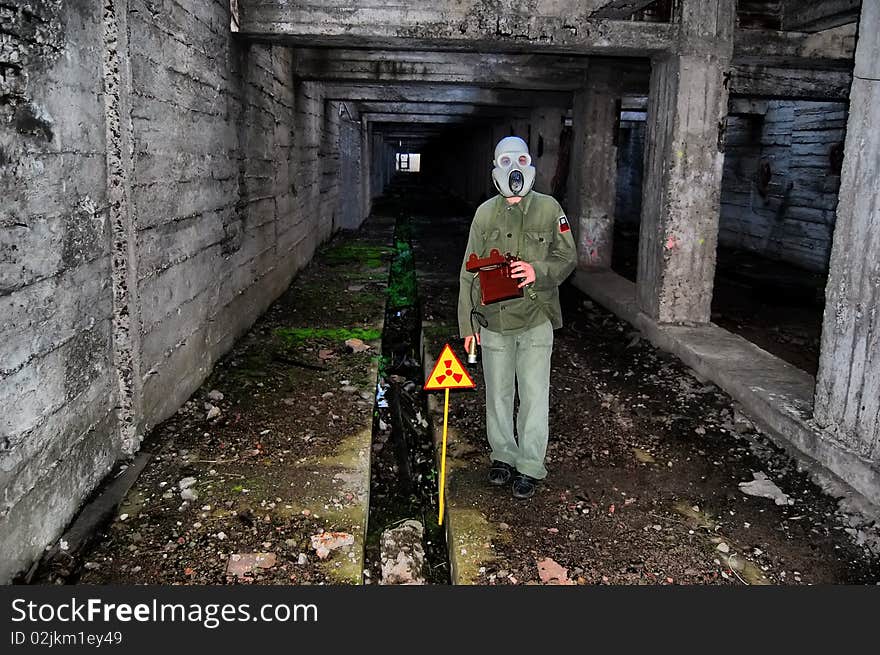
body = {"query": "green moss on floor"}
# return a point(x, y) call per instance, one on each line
point(295, 336)
point(357, 253)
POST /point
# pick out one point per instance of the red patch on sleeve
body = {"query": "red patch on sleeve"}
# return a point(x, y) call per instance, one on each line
point(563, 224)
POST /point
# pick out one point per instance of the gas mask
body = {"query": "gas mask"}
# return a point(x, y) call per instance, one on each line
point(513, 174)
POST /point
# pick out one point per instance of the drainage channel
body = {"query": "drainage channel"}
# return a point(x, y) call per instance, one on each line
point(405, 544)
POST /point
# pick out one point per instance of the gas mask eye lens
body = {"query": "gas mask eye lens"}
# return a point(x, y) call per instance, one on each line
point(523, 160)
point(504, 161)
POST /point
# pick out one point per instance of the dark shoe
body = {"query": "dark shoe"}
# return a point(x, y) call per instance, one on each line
point(524, 486)
point(500, 473)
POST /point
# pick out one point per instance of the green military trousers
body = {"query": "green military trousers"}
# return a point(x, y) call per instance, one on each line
point(518, 363)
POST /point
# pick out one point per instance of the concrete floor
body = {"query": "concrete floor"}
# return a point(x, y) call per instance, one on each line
point(645, 464)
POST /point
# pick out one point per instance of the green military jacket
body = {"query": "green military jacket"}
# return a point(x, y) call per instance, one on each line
point(537, 231)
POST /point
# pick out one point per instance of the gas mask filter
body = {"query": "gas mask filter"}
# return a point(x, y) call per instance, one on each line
point(513, 174)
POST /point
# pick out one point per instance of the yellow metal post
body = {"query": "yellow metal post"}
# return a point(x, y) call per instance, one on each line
point(443, 456)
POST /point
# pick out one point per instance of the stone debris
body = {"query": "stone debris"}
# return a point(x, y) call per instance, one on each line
point(326, 541)
point(215, 395)
point(213, 412)
point(763, 487)
point(643, 456)
point(403, 555)
point(357, 345)
point(240, 564)
point(189, 494)
point(186, 483)
point(742, 423)
point(553, 573)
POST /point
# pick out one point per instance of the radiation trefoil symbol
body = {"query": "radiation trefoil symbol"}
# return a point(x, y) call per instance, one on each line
point(448, 373)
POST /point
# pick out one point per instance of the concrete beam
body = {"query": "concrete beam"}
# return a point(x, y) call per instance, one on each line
point(848, 383)
point(496, 70)
point(619, 9)
point(757, 81)
point(448, 93)
point(398, 119)
point(548, 72)
point(818, 16)
point(442, 109)
point(563, 26)
point(801, 50)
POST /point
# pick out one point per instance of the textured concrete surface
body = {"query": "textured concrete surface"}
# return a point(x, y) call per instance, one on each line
point(554, 25)
point(848, 383)
point(58, 430)
point(683, 164)
point(593, 174)
point(163, 180)
point(791, 217)
point(154, 205)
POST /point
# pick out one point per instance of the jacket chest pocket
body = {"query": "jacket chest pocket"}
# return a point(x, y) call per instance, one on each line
point(536, 245)
point(493, 239)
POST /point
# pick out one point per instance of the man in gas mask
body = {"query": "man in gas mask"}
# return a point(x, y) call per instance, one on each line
point(516, 335)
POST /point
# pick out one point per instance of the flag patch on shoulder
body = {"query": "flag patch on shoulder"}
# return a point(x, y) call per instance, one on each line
point(563, 224)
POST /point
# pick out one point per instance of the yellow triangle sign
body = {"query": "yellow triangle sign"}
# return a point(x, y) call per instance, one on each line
point(448, 373)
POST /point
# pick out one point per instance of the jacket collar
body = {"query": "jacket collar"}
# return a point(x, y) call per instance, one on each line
point(523, 204)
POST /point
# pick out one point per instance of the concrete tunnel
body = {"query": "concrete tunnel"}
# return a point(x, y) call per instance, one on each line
point(169, 170)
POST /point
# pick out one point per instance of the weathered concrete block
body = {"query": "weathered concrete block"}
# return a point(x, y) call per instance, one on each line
point(55, 498)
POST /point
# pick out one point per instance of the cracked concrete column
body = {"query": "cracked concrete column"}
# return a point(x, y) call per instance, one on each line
point(848, 383)
point(594, 167)
point(683, 167)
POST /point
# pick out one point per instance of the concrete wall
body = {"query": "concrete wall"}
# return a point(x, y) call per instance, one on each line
point(58, 429)
point(161, 184)
point(793, 219)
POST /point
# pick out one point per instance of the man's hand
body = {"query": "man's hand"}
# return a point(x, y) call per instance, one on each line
point(467, 341)
point(524, 271)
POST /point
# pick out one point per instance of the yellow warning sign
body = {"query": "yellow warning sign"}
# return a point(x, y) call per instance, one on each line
point(448, 373)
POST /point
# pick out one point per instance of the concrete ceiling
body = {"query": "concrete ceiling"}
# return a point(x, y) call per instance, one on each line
point(549, 26)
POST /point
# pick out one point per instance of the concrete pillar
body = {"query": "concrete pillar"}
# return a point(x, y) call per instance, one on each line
point(848, 383)
point(366, 168)
point(487, 160)
point(683, 166)
point(522, 128)
point(376, 164)
point(593, 173)
point(546, 129)
point(389, 163)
